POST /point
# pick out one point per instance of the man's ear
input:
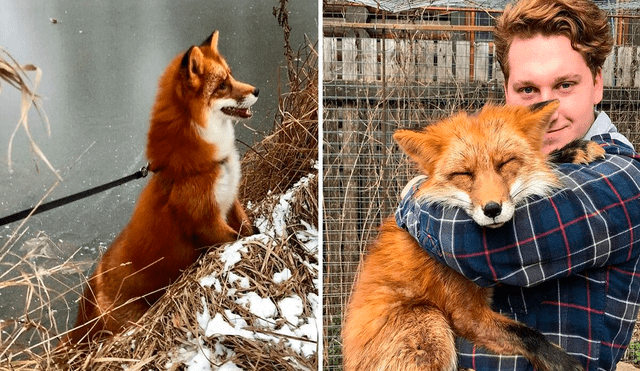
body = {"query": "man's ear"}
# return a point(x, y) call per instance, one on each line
point(598, 87)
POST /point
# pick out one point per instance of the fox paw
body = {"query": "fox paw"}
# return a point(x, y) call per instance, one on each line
point(577, 152)
point(248, 230)
point(591, 152)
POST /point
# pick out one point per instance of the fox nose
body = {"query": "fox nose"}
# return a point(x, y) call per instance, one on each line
point(492, 209)
point(256, 91)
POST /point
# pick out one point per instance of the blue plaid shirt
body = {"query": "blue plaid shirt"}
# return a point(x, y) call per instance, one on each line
point(567, 265)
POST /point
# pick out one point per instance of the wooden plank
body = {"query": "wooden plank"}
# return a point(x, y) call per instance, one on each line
point(369, 58)
point(406, 57)
point(391, 64)
point(462, 60)
point(445, 61)
point(329, 58)
point(481, 63)
point(425, 52)
point(498, 74)
point(349, 61)
point(623, 66)
point(636, 64)
point(608, 68)
point(497, 71)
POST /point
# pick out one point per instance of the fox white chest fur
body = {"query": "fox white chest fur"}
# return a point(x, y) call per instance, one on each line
point(220, 132)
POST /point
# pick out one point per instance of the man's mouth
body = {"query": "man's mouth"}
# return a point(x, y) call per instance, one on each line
point(555, 130)
point(237, 112)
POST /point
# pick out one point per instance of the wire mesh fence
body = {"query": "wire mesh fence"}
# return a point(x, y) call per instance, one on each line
point(386, 70)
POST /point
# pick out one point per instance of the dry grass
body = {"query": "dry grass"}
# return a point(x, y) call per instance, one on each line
point(291, 151)
point(16, 75)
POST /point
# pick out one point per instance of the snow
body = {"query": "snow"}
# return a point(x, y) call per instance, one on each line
point(211, 280)
point(283, 323)
point(231, 255)
point(291, 309)
point(200, 361)
point(277, 227)
point(280, 277)
point(261, 307)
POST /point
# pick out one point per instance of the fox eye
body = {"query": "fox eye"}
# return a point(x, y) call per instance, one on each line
point(502, 164)
point(461, 174)
point(222, 86)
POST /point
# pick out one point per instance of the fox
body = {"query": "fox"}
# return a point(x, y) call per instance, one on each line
point(406, 308)
point(190, 201)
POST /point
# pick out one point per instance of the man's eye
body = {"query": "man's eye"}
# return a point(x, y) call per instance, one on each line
point(527, 90)
point(566, 85)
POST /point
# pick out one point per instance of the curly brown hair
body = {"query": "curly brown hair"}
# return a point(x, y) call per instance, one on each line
point(581, 21)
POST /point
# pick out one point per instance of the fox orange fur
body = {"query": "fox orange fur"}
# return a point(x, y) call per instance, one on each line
point(406, 308)
point(190, 202)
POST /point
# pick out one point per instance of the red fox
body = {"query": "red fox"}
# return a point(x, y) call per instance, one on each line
point(406, 308)
point(190, 202)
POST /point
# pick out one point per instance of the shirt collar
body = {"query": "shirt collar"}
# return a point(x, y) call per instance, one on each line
point(603, 125)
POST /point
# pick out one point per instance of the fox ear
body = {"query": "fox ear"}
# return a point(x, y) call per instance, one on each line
point(421, 147)
point(540, 105)
point(212, 42)
point(536, 123)
point(192, 64)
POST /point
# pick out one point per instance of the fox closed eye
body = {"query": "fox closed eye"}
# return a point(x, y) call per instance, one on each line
point(462, 174)
point(504, 163)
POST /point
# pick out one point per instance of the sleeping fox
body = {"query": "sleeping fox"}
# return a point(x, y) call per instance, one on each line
point(190, 202)
point(406, 308)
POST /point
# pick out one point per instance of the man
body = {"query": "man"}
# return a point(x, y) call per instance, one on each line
point(567, 265)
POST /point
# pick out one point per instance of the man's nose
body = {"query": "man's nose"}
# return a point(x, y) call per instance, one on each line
point(546, 94)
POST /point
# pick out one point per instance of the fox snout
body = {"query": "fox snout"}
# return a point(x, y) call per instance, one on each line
point(492, 209)
point(492, 214)
point(238, 103)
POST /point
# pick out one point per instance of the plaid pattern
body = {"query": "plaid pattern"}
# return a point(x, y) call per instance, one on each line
point(568, 265)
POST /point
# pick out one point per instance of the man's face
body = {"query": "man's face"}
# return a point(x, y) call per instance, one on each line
point(547, 67)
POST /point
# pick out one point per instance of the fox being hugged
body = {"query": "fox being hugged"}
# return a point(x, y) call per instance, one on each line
point(190, 202)
point(406, 308)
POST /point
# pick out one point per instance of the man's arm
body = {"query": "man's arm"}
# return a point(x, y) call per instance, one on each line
point(593, 221)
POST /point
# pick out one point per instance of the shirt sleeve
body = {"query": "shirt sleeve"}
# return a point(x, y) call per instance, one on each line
point(594, 221)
